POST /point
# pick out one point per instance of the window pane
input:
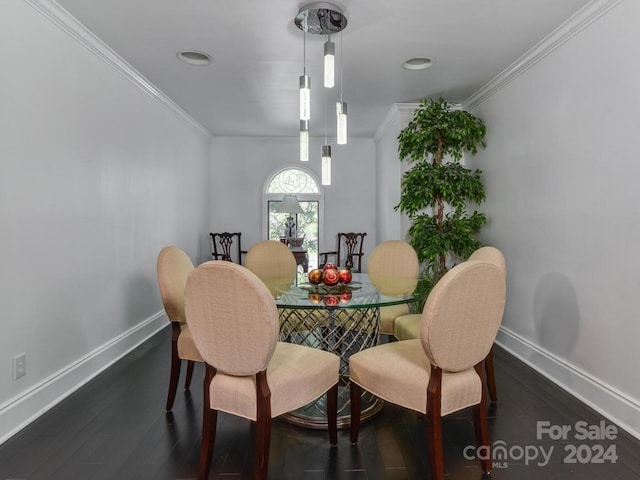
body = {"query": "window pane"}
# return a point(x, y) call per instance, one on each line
point(292, 180)
point(307, 226)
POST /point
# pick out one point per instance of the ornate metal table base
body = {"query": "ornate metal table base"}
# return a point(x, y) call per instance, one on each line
point(343, 331)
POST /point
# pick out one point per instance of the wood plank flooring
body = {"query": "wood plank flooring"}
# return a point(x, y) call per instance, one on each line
point(115, 427)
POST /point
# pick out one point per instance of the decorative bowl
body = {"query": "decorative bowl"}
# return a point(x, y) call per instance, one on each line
point(296, 242)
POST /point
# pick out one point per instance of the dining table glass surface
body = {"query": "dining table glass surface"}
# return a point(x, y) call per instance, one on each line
point(343, 319)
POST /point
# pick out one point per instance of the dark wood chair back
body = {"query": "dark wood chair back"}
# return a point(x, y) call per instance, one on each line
point(349, 252)
point(227, 246)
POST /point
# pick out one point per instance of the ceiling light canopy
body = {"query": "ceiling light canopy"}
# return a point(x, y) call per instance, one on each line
point(321, 18)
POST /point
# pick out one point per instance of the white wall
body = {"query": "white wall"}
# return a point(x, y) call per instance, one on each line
point(391, 224)
point(98, 173)
point(240, 167)
point(561, 170)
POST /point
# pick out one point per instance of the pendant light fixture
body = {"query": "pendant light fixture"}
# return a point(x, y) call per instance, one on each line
point(341, 109)
point(305, 85)
point(321, 18)
point(304, 140)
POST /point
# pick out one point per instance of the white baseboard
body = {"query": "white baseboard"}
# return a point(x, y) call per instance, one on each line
point(23, 409)
point(613, 404)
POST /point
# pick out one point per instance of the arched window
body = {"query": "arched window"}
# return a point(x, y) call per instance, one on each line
point(303, 184)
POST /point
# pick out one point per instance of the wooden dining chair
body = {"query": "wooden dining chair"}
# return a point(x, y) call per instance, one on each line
point(443, 371)
point(273, 263)
point(235, 325)
point(349, 251)
point(407, 327)
point(227, 246)
point(173, 268)
point(396, 260)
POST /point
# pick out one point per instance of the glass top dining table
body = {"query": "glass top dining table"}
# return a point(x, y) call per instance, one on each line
point(343, 319)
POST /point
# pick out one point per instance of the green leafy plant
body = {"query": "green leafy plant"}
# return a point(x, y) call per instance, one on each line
point(437, 188)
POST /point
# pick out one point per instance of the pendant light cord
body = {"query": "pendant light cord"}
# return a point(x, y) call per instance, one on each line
point(340, 66)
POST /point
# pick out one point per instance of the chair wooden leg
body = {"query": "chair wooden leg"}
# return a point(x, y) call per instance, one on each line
point(209, 421)
point(187, 382)
point(434, 424)
point(491, 377)
point(332, 414)
point(263, 426)
point(481, 423)
point(175, 366)
point(355, 391)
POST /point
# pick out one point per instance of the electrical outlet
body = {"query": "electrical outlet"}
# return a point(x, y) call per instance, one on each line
point(19, 366)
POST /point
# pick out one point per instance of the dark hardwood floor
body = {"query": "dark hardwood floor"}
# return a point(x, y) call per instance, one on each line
point(115, 427)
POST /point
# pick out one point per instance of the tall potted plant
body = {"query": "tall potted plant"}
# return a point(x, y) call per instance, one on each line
point(437, 188)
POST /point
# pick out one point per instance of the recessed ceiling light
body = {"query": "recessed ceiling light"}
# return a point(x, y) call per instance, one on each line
point(418, 63)
point(194, 57)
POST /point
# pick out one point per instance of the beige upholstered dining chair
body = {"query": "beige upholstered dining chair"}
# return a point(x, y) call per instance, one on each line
point(273, 263)
point(235, 325)
point(495, 256)
point(173, 267)
point(408, 326)
point(442, 371)
point(398, 260)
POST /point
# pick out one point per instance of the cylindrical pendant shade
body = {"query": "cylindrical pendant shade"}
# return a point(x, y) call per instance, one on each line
point(305, 97)
point(329, 63)
point(341, 113)
point(326, 165)
point(304, 140)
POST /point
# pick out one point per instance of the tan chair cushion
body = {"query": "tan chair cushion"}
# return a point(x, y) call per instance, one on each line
point(378, 371)
point(453, 334)
point(394, 258)
point(273, 263)
point(393, 267)
point(232, 317)
point(186, 348)
point(173, 268)
point(290, 363)
point(407, 327)
point(491, 255)
point(234, 322)
point(389, 315)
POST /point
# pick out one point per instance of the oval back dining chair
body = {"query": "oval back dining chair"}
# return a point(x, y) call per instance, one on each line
point(395, 259)
point(495, 256)
point(173, 268)
point(273, 263)
point(235, 325)
point(442, 371)
point(408, 326)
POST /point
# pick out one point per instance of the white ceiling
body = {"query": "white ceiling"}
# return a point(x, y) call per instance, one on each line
point(251, 88)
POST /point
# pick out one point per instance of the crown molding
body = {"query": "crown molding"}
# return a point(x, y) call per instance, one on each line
point(402, 111)
point(81, 34)
point(579, 21)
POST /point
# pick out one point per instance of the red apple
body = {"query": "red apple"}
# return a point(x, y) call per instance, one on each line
point(329, 265)
point(330, 300)
point(345, 275)
point(315, 276)
point(345, 297)
point(330, 277)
